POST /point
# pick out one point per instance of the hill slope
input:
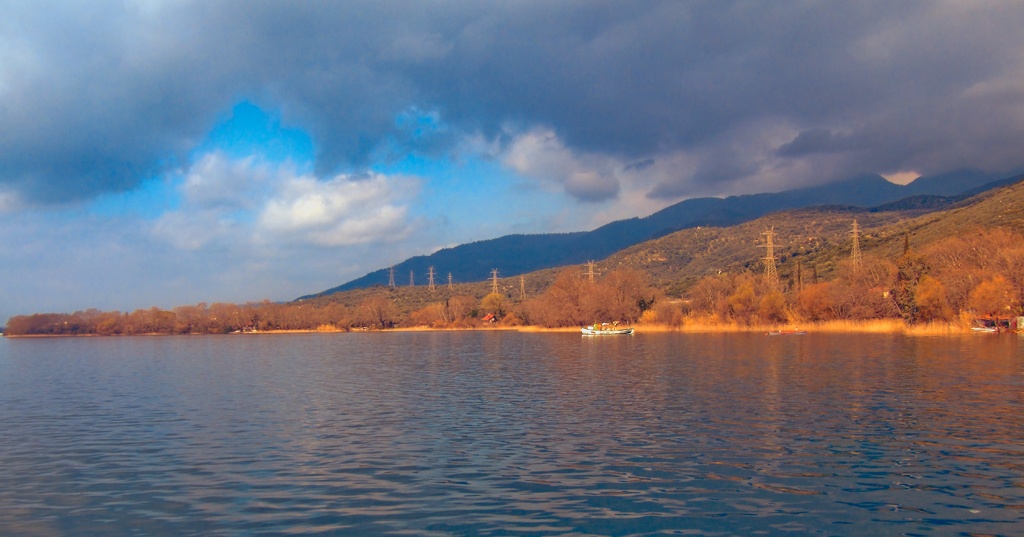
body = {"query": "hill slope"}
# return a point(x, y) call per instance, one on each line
point(520, 254)
point(817, 238)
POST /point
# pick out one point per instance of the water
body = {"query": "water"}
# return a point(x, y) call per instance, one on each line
point(477, 433)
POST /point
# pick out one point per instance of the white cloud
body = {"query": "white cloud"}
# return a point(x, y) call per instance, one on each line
point(540, 154)
point(248, 203)
point(217, 181)
point(342, 211)
point(196, 229)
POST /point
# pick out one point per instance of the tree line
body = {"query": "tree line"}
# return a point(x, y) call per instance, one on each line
point(978, 274)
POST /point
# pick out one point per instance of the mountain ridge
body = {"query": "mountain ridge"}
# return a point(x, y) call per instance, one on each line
point(817, 237)
point(523, 253)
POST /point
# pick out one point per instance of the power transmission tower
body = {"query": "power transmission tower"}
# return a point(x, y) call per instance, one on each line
point(771, 275)
point(590, 271)
point(855, 251)
point(430, 280)
point(449, 281)
point(494, 281)
point(522, 287)
point(412, 283)
point(391, 277)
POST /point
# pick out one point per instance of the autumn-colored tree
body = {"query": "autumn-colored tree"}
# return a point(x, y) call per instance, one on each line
point(622, 295)
point(495, 303)
point(569, 292)
point(991, 297)
point(813, 302)
point(153, 321)
point(709, 296)
point(227, 317)
point(191, 319)
point(1012, 266)
point(378, 311)
point(430, 315)
point(743, 301)
point(863, 293)
point(562, 304)
point(664, 312)
point(334, 313)
point(931, 301)
point(772, 307)
point(963, 262)
point(460, 308)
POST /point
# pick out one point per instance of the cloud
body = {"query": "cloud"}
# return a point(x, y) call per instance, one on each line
point(8, 201)
point(215, 181)
point(541, 155)
point(103, 96)
point(239, 203)
point(812, 141)
point(340, 212)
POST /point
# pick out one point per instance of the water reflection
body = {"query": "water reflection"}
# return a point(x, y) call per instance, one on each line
point(540, 434)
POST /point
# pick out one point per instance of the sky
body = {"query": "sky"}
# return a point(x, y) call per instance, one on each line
point(166, 153)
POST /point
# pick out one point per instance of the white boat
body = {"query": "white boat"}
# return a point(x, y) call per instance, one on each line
point(605, 329)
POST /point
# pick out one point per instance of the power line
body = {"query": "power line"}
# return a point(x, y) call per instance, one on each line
point(430, 280)
point(494, 281)
point(391, 277)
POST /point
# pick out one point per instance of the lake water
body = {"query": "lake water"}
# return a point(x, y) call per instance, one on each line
point(502, 433)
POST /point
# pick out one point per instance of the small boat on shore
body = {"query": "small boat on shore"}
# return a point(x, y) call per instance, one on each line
point(605, 329)
point(787, 332)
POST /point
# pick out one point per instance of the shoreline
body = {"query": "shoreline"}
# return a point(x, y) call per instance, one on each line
point(880, 326)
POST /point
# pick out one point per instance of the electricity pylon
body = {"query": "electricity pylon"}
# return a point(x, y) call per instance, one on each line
point(855, 250)
point(771, 275)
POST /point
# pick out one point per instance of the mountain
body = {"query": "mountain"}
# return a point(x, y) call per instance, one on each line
point(520, 254)
point(818, 237)
point(814, 238)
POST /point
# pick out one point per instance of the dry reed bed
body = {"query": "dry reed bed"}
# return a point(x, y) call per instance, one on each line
point(874, 326)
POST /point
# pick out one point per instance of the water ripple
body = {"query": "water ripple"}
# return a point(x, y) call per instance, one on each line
point(511, 434)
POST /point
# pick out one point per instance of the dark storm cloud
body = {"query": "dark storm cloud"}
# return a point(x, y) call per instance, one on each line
point(810, 142)
point(99, 96)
